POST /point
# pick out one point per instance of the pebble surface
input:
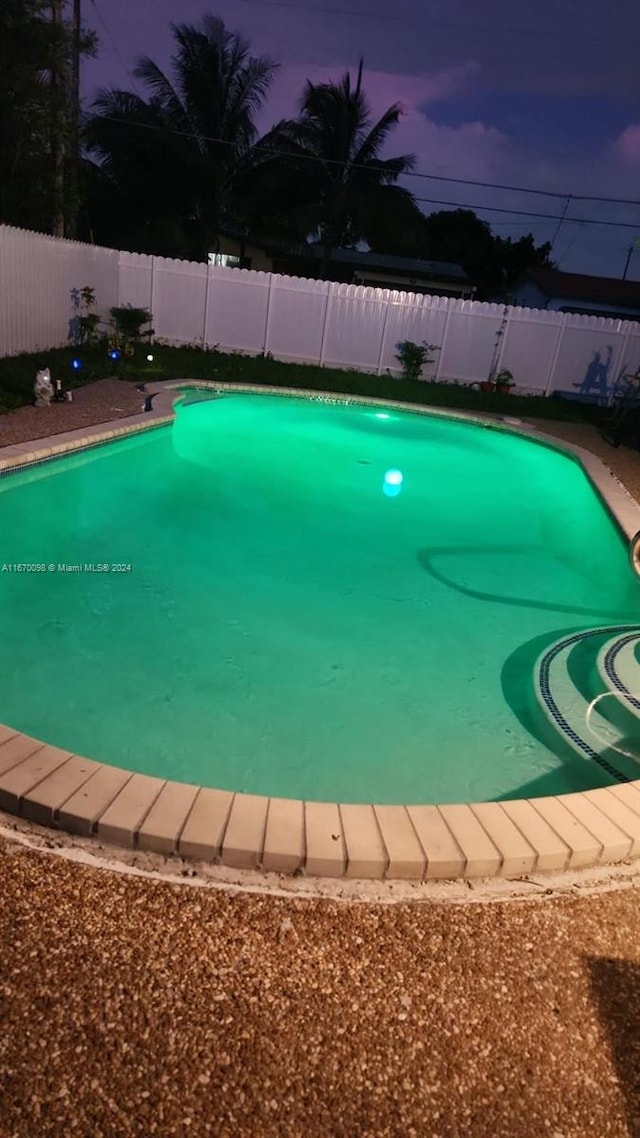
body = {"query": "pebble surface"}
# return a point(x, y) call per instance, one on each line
point(99, 402)
point(132, 1006)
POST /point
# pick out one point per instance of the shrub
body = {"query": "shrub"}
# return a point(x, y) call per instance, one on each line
point(127, 327)
point(413, 357)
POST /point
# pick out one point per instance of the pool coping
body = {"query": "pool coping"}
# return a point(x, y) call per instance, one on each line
point(513, 839)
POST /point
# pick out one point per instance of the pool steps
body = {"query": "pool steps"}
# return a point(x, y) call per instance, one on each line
point(619, 670)
point(55, 788)
point(587, 727)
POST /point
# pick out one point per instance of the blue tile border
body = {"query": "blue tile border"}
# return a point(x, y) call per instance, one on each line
point(610, 668)
point(550, 705)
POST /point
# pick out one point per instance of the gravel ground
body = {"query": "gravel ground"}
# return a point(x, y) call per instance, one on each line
point(133, 1007)
point(139, 1007)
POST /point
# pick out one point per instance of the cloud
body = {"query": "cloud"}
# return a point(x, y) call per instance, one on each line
point(627, 145)
point(471, 149)
point(382, 88)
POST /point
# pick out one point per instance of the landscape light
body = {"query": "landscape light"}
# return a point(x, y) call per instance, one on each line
point(114, 354)
point(76, 364)
point(150, 358)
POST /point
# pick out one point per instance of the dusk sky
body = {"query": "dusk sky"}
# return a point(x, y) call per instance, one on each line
point(547, 99)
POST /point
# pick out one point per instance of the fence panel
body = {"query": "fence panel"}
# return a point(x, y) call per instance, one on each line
point(416, 317)
point(529, 345)
point(354, 327)
point(179, 294)
point(37, 275)
point(136, 280)
point(296, 318)
point(237, 309)
point(589, 361)
point(471, 339)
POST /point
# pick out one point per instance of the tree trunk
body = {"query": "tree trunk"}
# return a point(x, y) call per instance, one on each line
point(72, 189)
point(56, 127)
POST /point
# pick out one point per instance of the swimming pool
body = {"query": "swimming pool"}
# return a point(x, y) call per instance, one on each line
point(308, 599)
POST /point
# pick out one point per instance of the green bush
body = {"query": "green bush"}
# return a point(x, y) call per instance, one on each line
point(128, 328)
point(414, 357)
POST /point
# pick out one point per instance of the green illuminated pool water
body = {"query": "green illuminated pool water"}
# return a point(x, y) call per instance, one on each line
point(293, 624)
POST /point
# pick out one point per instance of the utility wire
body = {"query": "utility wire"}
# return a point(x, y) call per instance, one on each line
point(527, 213)
point(127, 70)
point(560, 220)
point(275, 153)
point(458, 25)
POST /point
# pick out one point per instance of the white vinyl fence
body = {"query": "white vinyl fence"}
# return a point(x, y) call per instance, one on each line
point(335, 325)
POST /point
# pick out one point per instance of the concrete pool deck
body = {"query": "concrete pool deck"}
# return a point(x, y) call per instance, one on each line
point(242, 831)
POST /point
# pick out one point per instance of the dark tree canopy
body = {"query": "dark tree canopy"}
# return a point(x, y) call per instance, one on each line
point(177, 168)
point(460, 236)
point(170, 162)
point(38, 147)
point(346, 190)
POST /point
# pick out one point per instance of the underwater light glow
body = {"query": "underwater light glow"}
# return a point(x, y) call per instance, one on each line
point(392, 483)
point(382, 415)
point(394, 478)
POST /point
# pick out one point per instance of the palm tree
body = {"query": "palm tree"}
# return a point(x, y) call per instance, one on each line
point(350, 192)
point(170, 161)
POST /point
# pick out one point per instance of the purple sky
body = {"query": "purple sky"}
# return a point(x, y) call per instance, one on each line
point(543, 96)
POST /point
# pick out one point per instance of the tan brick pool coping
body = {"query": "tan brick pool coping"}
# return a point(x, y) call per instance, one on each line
point(509, 839)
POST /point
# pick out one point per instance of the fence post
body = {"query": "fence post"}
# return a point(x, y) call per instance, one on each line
point(206, 307)
point(556, 353)
point(384, 330)
point(265, 339)
point(621, 362)
point(119, 281)
point(324, 322)
point(450, 301)
point(152, 290)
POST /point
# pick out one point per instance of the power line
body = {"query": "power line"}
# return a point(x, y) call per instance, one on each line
point(522, 189)
point(527, 213)
point(560, 220)
point(457, 25)
point(127, 70)
point(569, 247)
point(275, 153)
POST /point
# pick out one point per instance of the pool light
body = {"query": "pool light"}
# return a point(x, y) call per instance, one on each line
point(382, 415)
point(394, 478)
point(392, 484)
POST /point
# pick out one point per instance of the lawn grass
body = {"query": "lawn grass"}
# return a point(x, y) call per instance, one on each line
point(17, 374)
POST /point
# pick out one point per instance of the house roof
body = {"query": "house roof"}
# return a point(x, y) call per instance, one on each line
point(577, 286)
point(405, 266)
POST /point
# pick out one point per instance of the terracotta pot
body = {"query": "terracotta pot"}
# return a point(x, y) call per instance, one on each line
point(487, 386)
point(503, 388)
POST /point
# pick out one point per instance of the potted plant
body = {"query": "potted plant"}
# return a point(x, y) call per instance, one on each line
point(504, 381)
point(487, 385)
